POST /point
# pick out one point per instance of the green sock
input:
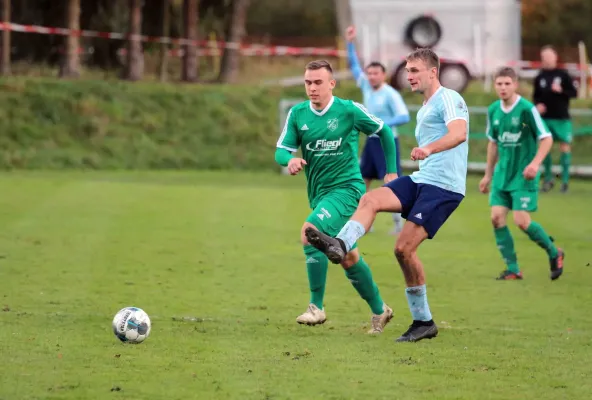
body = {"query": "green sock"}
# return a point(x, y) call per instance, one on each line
point(537, 234)
point(316, 265)
point(360, 277)
point(505, 244)
point(565, 164)
point(548, 164)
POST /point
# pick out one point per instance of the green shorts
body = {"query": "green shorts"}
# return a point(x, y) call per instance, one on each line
point(518, 200)
point(334, 210)
point(561, 129)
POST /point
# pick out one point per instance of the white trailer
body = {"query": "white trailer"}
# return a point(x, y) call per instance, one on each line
point(472, 37)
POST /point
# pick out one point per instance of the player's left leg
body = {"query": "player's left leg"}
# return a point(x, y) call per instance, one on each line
point(430, 211)
point(523, 203)
point(423, 326)
point(359, 274)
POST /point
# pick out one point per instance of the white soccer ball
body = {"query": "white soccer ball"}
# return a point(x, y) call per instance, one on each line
point(131, 325)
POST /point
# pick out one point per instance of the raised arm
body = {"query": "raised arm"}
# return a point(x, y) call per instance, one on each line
point(352, 56)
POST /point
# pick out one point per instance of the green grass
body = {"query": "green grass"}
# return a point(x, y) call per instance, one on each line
point(110, 125)
point(76, 247)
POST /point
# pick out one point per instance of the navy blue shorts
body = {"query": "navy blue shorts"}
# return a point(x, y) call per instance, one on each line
point(423, 204)
point(373, 163)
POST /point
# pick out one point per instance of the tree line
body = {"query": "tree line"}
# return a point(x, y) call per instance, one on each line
point(561, 23)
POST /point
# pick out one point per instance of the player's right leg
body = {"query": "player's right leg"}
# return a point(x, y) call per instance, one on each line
point(548, 177)
point(565, 138)
point(316, 267)
point(382, 199)
point(523, 203)
point(501, 202)
point(331, 214)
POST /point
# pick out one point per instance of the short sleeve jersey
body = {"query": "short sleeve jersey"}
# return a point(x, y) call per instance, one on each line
point(447, 169)
point(516, 131)
point(329, 141)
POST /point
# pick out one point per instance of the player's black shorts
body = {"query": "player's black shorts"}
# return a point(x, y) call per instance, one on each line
point(423, 204)
point(373, 162)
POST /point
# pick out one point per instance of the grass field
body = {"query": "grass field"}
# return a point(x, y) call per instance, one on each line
point(222, 275)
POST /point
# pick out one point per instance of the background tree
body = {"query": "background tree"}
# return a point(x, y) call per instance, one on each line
point(70, 67)
point(135, 61)
point(190, 18)
point(235, 30)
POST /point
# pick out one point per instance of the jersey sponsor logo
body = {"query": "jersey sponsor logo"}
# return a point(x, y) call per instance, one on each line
point(304, 127)
point(332, 124)
point(324, 145)
point(510, 138)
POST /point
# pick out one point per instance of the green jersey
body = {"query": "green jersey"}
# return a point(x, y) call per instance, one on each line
point(516, 131)
point(328, 140)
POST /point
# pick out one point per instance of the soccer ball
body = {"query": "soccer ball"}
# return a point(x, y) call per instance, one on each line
point(131, 325)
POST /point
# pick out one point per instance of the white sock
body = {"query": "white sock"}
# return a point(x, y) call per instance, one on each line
point(350, 233)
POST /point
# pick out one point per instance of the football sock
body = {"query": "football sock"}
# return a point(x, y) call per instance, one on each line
point(360, 277)
point(350, 233)
point(548, 164)
point(505, 244)
point(398, 220)
point(565, 164)
point(418, 303)
point(537, 234)
point(316, 266)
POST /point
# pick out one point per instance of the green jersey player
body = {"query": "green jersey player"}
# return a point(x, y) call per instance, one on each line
point(519, 142)
point(326, 130)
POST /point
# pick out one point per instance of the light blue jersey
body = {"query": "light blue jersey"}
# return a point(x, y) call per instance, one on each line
point(447, 169)
point(385, 103)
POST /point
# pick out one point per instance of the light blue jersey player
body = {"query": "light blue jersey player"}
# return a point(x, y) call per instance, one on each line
point(386, 103)
point(426, 198)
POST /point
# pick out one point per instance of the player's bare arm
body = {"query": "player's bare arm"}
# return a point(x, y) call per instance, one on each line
point(457, 134)
point(531, 170)
point(492, 154)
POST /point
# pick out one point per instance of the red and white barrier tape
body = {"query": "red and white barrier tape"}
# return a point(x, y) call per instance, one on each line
point(211, 46)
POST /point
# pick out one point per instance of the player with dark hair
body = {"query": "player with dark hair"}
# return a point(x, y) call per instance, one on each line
point(382, 100)
point(553, 88)
point(519, 142)
point(326, 129)
point(426, 198)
